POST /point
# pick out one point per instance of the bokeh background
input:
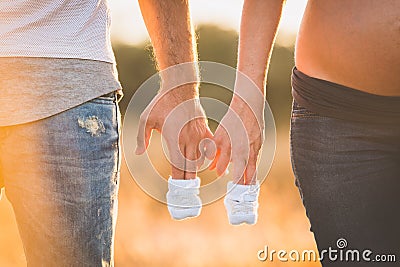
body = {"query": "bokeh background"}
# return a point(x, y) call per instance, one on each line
point(146, 236)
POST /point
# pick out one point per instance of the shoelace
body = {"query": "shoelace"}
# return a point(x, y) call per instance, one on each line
point(241, 206)
point(185, 191)
point(185, 197)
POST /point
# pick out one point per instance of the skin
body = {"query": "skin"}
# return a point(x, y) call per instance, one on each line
point(171, 34)
point(344, 42)
point(352, 43)
point(260, 19)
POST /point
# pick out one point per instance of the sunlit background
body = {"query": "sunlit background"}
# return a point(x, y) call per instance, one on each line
point(128, 26)
point(146, 236)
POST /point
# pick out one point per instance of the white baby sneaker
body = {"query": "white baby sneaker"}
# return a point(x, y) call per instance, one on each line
point(183, 198)
point(241, 203)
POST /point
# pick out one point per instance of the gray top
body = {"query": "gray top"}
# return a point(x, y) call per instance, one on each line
point(36, 88)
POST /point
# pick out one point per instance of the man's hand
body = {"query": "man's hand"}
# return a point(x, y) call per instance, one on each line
point(183, 125)
point(174, 45)
point(238, 139)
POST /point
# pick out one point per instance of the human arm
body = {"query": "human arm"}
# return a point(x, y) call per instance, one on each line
point(259, 24)
point(171, 33)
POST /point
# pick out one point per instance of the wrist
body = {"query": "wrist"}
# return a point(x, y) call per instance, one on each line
point(181, 93)
point(250, 92)
point(184, 77)
point(248, 102)
point(246, 109)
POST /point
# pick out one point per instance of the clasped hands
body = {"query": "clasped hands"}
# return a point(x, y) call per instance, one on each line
point(178, 115)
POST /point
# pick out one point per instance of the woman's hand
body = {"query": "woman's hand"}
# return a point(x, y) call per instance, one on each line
point(239, 138)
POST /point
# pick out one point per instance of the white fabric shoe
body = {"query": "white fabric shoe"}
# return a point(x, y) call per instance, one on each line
point(241, 203)
point(183, 198)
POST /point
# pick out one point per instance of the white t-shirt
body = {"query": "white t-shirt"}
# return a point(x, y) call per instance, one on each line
point(56, 29)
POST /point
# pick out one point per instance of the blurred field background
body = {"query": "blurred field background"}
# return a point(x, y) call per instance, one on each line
point(146, 236)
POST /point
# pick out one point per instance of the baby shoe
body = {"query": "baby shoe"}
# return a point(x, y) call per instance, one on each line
point(241, 203)
point(183, 198)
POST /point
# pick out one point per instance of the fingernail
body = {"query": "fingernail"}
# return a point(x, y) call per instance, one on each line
point(138, 151)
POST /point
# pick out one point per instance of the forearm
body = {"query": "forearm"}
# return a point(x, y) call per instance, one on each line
point(259, 24)
point(169, 25)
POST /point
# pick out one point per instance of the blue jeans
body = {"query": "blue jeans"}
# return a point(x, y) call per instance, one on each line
point(348, 174)
point(61, 175)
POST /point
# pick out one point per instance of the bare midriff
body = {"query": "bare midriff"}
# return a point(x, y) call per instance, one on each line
point(353, 43)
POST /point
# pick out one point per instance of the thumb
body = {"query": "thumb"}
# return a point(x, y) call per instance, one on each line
point(143, 137)
point(209, 144)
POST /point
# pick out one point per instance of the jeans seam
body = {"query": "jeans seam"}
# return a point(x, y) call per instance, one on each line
point(291, 150)
point(294, 169)
point(118, 117)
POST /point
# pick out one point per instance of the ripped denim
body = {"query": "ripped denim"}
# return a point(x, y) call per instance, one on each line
point(61, 175)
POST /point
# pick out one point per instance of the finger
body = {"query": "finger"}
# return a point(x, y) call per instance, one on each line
point(223, 161)
point(190, 161)
point(177, 161)
point(251, 172)
point(213, 164)
point(216, 140)
point(200, 158)
point(200, 161)
point(209, 145)
point(143, 137)
point(239, 166)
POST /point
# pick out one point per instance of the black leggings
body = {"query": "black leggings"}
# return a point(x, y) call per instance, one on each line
point(348, 174)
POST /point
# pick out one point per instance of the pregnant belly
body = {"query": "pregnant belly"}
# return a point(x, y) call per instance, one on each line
point(353, 43)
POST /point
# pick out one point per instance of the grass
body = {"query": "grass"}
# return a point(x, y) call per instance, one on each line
point(146, 236)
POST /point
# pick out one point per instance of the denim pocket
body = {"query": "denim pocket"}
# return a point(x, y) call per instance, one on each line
point(109, 98)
